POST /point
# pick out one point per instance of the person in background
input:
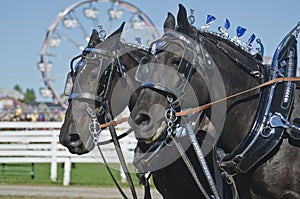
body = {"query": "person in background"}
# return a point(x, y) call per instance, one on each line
point(41, 117)
point(34, 116)
point(18, 113)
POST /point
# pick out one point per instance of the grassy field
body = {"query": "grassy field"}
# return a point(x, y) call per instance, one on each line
point(85, 174)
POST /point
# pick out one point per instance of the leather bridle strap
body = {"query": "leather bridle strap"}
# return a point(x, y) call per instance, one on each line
point(206, 106)
point(114, 123)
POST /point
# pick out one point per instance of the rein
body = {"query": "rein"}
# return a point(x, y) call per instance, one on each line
point(206, 106)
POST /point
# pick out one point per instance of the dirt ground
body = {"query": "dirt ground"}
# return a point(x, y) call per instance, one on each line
point(70, 192)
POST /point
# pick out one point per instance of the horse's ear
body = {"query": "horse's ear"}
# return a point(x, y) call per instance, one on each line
point(118, 32)
point(169, 22)
point(94, 39)
point(114, 38)
point(182, 21)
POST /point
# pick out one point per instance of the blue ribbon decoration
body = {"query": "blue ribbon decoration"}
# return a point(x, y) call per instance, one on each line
point(191, 18)
point(210, 19)
point(240, 31)
point(227, 24)
point(138, 40)
point(250, 40)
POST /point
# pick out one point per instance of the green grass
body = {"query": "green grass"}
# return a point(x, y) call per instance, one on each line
point(83, 174)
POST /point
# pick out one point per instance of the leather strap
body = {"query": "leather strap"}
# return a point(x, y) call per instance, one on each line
point(114, 123)
point(206, 106)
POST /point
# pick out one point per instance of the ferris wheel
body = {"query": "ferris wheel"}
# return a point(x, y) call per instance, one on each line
point(69, 33)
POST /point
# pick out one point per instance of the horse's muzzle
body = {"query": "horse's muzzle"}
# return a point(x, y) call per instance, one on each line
point(147, 128)
point(75, 144)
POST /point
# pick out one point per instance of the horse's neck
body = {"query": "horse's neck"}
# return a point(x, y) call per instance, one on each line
point(241, 110)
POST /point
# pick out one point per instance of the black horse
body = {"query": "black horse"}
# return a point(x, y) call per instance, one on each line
point(188, 69)
point(90, 87)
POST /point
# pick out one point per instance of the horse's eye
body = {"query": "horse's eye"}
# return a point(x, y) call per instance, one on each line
point(175, 62)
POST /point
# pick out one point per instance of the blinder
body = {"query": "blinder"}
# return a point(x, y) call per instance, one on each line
point(175, 78)
point(69, 84)
point(94, 57)
point(71, 75)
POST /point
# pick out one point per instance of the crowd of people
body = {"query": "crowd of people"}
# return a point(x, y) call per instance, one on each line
point(18, 114)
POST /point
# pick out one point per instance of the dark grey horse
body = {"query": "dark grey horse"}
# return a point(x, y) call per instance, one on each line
point(90, 93)
point(181, 48)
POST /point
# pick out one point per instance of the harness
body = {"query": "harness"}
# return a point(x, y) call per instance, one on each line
point(267, 131)
point(272, 117)
point(271, 120)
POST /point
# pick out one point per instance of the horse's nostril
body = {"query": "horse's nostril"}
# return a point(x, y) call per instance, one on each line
point(74, 140)
point(142, 120)
point(74, 137)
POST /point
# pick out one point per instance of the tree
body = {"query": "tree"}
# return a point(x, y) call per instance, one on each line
point(29, 96)
point(18, 88)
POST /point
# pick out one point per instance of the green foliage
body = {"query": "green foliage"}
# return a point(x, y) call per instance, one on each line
point(29, 96)
point(18, 88)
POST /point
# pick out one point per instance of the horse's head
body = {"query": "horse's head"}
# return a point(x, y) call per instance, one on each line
point(178, 67)
point(89, 87)
point(187, 70)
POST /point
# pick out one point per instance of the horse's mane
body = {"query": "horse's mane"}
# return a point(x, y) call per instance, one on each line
point(197, 33)
point(230, 43)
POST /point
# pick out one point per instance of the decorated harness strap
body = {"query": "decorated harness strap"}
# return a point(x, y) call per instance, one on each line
point(271, 121)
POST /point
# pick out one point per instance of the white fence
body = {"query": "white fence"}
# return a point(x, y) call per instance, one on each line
point(38, 142)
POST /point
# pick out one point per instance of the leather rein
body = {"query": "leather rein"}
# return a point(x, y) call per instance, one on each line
point(208, 105)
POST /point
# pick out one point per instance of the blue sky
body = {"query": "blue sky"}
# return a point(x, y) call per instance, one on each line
point(24, 25)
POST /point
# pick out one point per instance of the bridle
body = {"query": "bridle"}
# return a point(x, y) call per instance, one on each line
point(185, 68)
point(112, 64)
point(190, 63)
point(93, 57)
point(96, 57)
point(175, 89)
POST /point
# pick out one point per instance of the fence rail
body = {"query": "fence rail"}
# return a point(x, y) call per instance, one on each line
point(38, 142)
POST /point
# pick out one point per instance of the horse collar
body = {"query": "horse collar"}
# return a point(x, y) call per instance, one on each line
point(271, 121)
